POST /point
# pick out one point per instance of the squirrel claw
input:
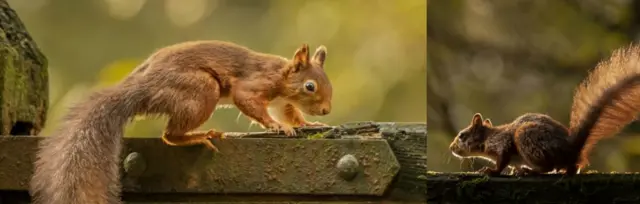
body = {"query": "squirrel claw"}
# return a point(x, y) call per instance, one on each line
point(287, 129)
point(525, 172)
point(519, 173)
point(210, 145)
point(212, 134)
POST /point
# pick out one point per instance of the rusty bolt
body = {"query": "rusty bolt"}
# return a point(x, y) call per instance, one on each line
point(348, 167)
point(134, 164)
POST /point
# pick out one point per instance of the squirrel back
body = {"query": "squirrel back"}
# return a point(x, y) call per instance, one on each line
point(606, 101)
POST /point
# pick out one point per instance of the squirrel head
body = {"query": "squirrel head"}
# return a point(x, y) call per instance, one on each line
point(307, 86)
point(470, 141)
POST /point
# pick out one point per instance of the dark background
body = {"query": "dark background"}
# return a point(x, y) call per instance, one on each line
point(504, 58)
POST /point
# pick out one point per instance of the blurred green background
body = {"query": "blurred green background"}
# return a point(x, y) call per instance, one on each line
point(505, 58)
point(376, 49)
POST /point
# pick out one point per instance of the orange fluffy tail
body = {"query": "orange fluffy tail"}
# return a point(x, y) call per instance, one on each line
point(606, 101)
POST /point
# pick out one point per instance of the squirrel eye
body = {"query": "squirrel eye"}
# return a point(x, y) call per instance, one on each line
point(310, 86)
point(464, 135)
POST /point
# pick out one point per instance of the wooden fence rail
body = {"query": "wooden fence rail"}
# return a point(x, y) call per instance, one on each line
point(583, 188)
point(355, 162)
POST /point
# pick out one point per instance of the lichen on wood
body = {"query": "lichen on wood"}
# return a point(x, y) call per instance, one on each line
point(24, 88)
point(593, 187)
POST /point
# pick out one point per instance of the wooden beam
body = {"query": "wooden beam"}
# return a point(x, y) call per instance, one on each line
point(468, 187)
point(387, 162)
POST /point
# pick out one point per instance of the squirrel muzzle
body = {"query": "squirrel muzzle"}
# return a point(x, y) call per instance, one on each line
point(325, 110)
point(455, 149)
point(317, 110)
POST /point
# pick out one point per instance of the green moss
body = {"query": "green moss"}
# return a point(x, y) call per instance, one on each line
point(473, 182)
point(315, 136)
point(19, 90)
point(319, 135)
point(17, 85)
point(467, 188)
point(472, 187)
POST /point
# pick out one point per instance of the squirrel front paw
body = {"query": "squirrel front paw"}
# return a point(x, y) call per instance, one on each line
point(489, 171)
point(277, 127)
point(520, 172)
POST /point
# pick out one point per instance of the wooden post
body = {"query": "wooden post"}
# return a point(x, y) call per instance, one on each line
point(24, 88)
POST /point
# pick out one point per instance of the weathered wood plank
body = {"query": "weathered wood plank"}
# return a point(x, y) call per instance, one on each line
point(552, 188)
point(260, 166)
point(409, 143)
point(251, 165)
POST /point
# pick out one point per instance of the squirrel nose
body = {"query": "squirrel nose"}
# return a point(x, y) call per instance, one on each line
point(452, 146)
point(325, 111)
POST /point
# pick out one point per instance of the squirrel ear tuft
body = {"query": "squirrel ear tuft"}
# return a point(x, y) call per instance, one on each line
point(320, 55)
point(477, 119)
point(301, 58)
point(487, 123)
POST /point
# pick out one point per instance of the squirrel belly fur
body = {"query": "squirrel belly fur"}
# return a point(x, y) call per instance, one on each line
point(604, 103)
point(79, 162)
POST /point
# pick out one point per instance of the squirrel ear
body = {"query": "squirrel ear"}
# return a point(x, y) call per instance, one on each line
point(487, 123)
point(320, 55)
point(301, 58)
point(477, 119)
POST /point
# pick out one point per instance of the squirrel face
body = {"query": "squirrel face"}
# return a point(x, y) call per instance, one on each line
point(470, 141)
point(307, 86)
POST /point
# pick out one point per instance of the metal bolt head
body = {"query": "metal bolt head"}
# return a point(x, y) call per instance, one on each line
point(348, 167)
point(134, 164)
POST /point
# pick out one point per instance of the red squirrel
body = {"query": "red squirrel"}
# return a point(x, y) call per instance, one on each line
point(79, 162)
point(606, 101)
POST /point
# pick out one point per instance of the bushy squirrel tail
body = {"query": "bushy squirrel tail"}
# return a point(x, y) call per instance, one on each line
point(79, 162)
point(606, 101)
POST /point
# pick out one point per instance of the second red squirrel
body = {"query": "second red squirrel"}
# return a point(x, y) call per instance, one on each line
point(606, 101)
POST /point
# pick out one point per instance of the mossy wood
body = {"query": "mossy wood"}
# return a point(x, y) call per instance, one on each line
point(24, 92)
point(552, 188)
point(390, 165)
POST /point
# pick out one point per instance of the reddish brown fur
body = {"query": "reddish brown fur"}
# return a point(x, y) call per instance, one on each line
point(606, 101)
point(79, 163)
point(624, 108)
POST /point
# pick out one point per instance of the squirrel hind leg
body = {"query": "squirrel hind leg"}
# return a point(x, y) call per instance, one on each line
point(191, 107)
point(188, 117)
point(538, 156)
point(192, 138)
